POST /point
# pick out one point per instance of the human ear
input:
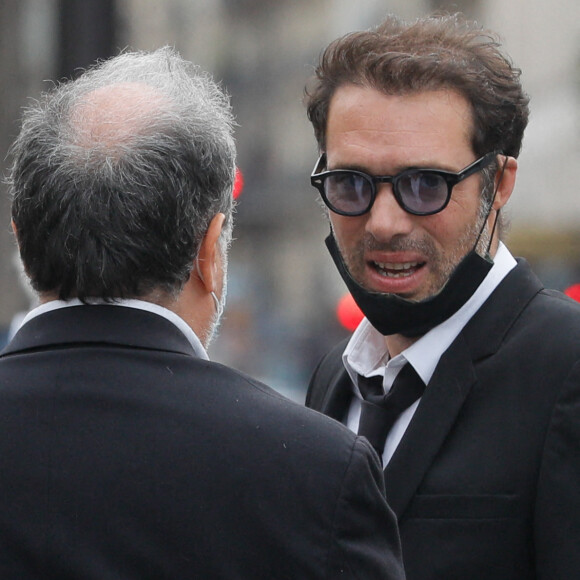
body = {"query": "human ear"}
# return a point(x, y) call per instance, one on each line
point(505, 181)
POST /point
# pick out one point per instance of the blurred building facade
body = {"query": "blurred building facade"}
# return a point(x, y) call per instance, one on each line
point(283, 288)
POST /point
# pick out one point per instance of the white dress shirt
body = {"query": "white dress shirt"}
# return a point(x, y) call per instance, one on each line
point(366, 353)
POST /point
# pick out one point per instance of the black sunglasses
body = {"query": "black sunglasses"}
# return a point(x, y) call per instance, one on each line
point(417, 191)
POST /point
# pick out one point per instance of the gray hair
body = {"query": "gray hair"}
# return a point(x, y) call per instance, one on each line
point(115, 204)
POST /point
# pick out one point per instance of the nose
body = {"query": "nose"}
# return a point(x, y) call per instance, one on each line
point(387, 219)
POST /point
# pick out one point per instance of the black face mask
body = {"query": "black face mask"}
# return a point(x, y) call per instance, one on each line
point(390, 314)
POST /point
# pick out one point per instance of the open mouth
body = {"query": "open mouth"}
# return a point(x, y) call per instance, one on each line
point(398, 269)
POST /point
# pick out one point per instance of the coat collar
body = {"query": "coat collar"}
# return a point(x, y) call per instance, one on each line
point(102, 324)
point(338, 396)
point(330, 390)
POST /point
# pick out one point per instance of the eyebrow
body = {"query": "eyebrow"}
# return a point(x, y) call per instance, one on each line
point(362, 169)
point(397, 171)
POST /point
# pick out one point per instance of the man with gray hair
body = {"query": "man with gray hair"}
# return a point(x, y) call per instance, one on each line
point(125, 452)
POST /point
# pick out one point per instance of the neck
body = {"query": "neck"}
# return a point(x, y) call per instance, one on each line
point(195, 306)
point(397, 343)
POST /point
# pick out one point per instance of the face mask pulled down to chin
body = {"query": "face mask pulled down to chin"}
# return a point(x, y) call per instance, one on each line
point(391, 314)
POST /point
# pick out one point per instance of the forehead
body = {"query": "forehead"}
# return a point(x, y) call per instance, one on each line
point(417, 128)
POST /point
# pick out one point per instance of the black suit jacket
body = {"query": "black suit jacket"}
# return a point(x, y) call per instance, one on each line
point(124, 456)
point(486, 480)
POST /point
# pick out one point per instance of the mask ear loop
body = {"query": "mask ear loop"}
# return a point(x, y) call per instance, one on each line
point(198, 269)
point(219, 307)
point(489, 212)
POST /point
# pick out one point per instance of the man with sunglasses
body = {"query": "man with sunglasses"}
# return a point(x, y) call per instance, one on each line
point(465, 372)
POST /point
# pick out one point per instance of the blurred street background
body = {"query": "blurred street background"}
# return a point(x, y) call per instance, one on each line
point(283, 291)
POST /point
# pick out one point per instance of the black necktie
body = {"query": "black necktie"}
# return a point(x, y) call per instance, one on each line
point(380, 411)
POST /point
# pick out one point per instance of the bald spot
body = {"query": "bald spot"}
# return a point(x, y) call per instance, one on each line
point(108, 117)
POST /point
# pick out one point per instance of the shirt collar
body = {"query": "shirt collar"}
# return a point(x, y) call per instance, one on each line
point(366, 352)
point(128, 303)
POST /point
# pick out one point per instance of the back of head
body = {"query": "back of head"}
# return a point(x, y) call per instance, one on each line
point(117, 175)
point(436, 53)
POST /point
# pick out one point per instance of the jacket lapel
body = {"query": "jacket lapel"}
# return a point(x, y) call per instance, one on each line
point(451, 383)
point(330, 389)
point(429, 427)
point(337, 398)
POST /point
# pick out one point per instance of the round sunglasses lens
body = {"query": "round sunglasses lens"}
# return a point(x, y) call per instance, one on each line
point(348, 192)
point(423, 192)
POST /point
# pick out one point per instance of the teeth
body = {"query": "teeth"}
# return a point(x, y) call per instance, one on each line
point(397, 266)
point(397, 270)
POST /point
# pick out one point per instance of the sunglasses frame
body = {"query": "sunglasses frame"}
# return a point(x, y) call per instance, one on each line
point(318, 177)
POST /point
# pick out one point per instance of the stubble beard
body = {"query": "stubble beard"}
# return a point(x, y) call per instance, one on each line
point(441, 265)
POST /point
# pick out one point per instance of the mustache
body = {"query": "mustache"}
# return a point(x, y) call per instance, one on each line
point(423, 246)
